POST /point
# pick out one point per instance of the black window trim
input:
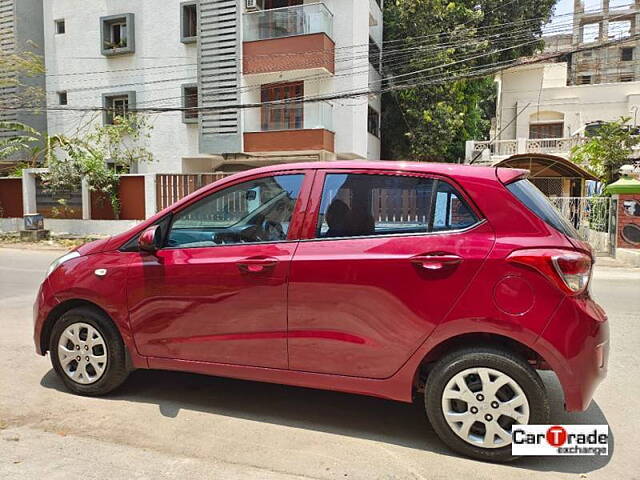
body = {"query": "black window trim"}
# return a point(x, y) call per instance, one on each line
point(467, 200)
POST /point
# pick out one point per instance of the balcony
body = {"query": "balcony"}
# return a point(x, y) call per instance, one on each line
point(492, 151)
point(289, 128)
point(289, 38)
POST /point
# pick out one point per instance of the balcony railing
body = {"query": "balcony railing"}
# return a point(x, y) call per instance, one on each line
point(290, 116)
point(553, 145)
point(288, 21)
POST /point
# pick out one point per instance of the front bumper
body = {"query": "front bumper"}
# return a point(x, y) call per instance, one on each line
point(575, 343)
point(45, 302)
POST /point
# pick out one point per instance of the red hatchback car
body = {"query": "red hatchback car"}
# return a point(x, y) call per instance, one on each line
point(445, 283)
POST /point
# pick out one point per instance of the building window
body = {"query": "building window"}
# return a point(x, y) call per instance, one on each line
point(627, 77)
point(62, 98)
point(118, 34)
point(189, 20)
point(590, 33)
point(373, 122)
point(117, 105)
point(60, 27)
point(282, 116)
point(546, 130)
point(190, 103)
point(584, 79)
point(374, 54)
point(626, 54)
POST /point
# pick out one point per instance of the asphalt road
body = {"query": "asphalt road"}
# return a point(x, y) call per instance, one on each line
point(172, 425)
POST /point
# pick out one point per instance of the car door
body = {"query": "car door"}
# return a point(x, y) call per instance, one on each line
point(384, 257)
point(217, 290)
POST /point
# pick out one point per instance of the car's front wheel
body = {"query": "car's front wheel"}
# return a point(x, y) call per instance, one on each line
point(87, 352)
point(475, 396)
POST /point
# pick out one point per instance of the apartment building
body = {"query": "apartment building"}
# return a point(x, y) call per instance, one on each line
point(21, 30)
point(236, 67)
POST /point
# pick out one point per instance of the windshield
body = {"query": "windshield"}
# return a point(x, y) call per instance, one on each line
point(538, 203)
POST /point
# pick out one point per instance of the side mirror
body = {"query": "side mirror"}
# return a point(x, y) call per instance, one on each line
point(149, 241)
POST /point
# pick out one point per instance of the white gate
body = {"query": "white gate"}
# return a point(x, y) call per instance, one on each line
point(590, 217)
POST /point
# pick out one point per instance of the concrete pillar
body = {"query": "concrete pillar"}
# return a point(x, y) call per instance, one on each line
point(29, 204)
point(468, 150)
point(150, 200)
point(522, 146)
point(86, 200)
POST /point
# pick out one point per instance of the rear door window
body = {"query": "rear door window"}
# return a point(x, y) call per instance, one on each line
point(538, 203)
point(356, 205)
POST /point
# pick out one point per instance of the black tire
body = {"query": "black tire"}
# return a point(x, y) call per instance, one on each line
point(504, 361)
point(116, 371)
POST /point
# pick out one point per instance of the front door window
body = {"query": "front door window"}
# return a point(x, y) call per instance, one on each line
point(252, 212)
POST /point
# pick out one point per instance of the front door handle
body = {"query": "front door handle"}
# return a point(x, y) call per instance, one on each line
point(257, 265)
point(436, 261)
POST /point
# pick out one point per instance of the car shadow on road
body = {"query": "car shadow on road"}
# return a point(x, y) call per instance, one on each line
point(332, 412)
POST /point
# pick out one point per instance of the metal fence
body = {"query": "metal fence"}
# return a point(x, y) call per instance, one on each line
point(590, 216)
point(174, 187)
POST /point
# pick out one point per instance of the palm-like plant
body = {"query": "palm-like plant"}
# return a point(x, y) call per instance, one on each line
point(35, 147)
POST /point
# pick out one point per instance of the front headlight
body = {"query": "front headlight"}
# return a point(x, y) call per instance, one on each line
point(59, 261)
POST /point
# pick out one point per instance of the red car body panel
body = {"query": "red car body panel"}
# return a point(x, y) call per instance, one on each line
point(353, 315)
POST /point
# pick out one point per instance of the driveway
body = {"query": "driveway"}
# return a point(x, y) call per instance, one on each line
point(174, 425)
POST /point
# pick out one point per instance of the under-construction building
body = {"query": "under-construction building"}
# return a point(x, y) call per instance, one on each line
point(612, 21)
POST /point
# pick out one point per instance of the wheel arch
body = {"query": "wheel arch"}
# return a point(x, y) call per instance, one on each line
point(474, 339)
point(61, 309)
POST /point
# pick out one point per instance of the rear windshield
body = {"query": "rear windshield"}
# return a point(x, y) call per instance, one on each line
point(538, 203)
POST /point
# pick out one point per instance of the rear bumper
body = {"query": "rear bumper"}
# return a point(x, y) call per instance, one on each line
point(575, 343)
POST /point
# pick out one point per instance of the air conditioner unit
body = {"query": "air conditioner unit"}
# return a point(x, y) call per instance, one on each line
point(254, 5)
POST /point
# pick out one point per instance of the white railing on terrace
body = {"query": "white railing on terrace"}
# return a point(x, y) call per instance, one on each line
point(497, 147)
point(505, 148)
point(553, 145)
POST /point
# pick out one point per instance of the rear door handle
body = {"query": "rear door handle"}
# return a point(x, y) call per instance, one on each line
point(257, 265)
point(436, 261)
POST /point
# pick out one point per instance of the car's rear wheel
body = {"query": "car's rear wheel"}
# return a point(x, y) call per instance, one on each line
point(475, 396)
point(87, 352)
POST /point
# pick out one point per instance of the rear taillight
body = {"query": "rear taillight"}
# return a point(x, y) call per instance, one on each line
point(569, 270)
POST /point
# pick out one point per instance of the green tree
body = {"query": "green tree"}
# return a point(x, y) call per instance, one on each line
point(608, 150)
point(32, 145)
point(444, 41)
point(100, 157)
point(17, 66)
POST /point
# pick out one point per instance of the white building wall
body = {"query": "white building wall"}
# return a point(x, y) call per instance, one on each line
point(162, 64)
point(541, 90)
point(156, 71)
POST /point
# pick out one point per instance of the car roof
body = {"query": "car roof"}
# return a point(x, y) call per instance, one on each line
point(446, 169)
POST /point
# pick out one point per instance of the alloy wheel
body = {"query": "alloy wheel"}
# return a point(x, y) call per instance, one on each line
point(82, 352)
point(481, 405)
